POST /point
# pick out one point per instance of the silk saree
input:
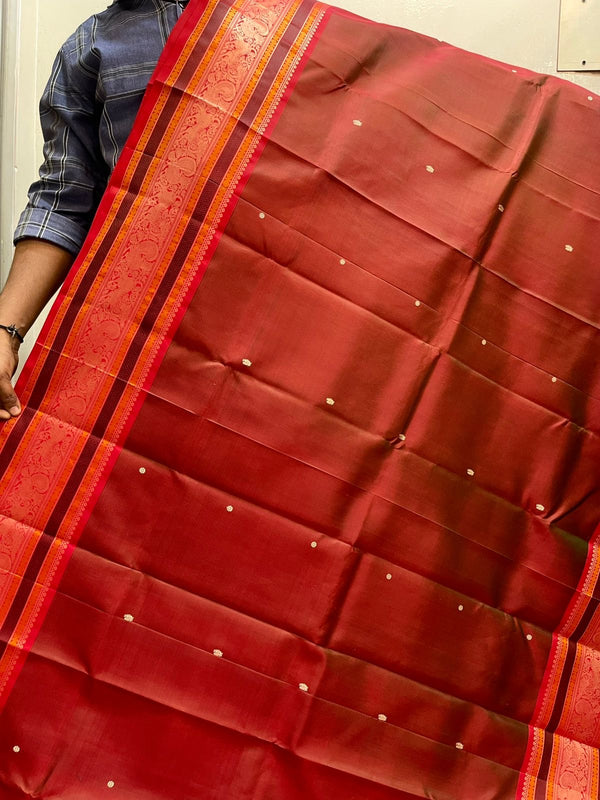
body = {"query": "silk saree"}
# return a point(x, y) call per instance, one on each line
point(303, 502)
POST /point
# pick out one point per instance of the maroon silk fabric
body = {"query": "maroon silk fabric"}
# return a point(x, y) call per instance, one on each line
point(356, 501)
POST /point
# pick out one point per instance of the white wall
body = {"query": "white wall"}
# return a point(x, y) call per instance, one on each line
point(522, 32)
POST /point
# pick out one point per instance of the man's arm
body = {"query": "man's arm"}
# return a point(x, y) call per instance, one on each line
point(37, 271)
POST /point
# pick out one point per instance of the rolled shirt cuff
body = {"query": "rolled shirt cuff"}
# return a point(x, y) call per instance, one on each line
point(38, 223)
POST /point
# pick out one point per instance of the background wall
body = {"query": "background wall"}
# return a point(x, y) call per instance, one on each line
point(521, 32)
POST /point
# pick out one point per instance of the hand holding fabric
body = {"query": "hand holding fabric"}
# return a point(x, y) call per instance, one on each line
point(9, 359)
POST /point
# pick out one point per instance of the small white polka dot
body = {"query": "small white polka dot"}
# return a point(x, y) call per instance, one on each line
point(514, 70)
point(429, 168)
point(229, 508)
point(459, 746)
point(142, 470)
point(16, 749)
point(313, 545)
point(218, 653)
point(540, 507)
point(529, 637)
point(402, 437)
point(417, 303)
point(342, 261)
point(128, 617)
point(303, 687)
point(470, 473)
point(330, 401)
point(590, 98)
point(501, 208)
point(357, 122)
point(569, 248)
point(554, 379)
point(461, 608)
point(484, 342)
point(388, 577)
point(111, 784)
point(246, 362)
point(382, 718)
point(262, 215)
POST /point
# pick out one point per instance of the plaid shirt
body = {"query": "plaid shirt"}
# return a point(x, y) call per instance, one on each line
point(87, 112)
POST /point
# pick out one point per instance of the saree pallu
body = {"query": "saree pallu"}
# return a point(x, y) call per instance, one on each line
point(303, 502)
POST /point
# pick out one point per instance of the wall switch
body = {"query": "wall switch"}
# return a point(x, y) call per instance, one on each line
point(579, 36)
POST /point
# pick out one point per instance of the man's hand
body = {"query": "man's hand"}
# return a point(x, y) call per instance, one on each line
point(9, 358)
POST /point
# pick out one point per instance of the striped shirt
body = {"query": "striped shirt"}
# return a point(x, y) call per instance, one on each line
point(87, 112)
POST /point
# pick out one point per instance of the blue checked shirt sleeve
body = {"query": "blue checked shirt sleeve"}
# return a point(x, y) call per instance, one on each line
point(73, 176)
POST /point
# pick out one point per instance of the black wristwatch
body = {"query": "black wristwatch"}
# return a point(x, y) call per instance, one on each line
point(13, 332)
